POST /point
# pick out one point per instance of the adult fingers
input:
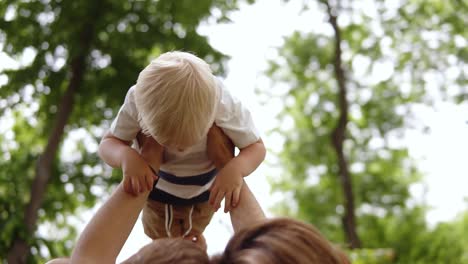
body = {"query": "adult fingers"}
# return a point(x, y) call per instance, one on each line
point(127, 186)
point(155, 176)
point(135, 186)
point(141, 183)
point(130, 187)
point(214, 185)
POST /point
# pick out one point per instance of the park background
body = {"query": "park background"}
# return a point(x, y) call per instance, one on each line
point(385, 110)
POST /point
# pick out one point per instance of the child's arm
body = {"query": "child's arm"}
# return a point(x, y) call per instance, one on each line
point(250, 158)
point(138, 176)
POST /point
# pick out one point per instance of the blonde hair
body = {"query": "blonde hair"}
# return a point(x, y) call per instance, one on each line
point(176, 97)
point(278, 241)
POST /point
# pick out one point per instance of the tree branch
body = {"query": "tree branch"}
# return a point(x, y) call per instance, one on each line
point(339, 135)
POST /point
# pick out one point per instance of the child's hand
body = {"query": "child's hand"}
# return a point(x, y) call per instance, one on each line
point(138, 177)
point(228, 184)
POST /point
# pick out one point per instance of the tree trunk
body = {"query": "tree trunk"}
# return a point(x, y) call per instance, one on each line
point(20, 249)
point(338, 137)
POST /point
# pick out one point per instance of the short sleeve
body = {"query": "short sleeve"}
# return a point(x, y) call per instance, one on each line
point(235, 119)
point(125, 125)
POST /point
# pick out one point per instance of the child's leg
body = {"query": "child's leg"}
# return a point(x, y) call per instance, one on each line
point(219, 147)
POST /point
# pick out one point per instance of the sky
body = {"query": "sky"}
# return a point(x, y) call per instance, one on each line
point(251, 39)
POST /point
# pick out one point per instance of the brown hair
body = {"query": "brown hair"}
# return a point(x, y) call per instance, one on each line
point(169, 250)
point(275, 241)
point(281, 240)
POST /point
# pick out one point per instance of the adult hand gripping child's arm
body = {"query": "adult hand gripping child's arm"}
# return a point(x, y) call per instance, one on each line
point(138, 177)
point(229, 180)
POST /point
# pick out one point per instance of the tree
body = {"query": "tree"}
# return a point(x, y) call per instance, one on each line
point(339, 133)
point(85, 55)
point(352, 84)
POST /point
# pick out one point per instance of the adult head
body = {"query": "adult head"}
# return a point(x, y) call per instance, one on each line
point(281, 240)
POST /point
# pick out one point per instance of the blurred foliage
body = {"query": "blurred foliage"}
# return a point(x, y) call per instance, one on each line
point(416, 243)
point(396, 54)
point(44, 37)
point(372, 256)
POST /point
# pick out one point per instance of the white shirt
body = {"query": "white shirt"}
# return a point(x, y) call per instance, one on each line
point(231, 116)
